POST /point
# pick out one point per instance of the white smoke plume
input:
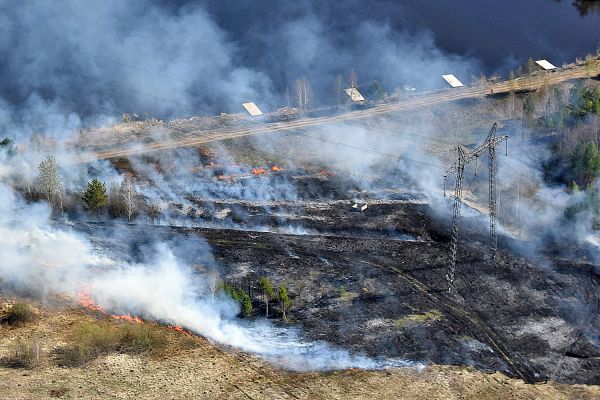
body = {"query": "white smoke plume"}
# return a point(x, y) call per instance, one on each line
point(40, 259)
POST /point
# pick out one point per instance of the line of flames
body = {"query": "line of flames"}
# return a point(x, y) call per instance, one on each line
point(85, 299)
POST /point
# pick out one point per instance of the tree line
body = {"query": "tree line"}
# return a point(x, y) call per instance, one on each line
point(119, 200)
point(270, 295)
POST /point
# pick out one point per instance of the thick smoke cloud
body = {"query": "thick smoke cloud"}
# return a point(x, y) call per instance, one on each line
point(83, 60)
point(86, 59)
point(80, 53)
point(499, 34)
point(42, 260)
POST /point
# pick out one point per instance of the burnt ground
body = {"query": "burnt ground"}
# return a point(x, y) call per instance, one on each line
point(374, 282)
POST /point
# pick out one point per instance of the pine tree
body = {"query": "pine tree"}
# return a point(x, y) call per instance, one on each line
point(284, 300)
point(95, 195)
point(268, 292)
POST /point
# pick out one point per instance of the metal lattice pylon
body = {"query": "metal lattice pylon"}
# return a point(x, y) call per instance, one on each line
point(465, 157)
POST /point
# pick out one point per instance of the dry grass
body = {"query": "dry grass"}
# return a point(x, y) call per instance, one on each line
point(94, 339)
point(150, 361)
point(23, 354)
point(17, 314)
point(413, 319)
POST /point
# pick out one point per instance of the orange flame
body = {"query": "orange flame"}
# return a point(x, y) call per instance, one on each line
point(258, 171)
point(84, 298)
point(129, 318)
point(177, 328)
point(180, 329)
point(326, 173)
point(276, 168)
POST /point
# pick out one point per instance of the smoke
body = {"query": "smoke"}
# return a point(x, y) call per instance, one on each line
point(42, 260)
point(84, 60)
point(93, 59)
point(74, 64)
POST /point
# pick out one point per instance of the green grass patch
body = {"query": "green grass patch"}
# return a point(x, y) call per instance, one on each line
point(415, 319)
point(345, 295)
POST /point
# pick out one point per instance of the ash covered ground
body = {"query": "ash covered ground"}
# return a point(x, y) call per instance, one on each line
point(373, 280)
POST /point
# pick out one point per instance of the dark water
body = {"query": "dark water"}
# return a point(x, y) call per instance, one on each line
point(183, 57)
point(491, 36)
point(498, 33)
point(505, 33)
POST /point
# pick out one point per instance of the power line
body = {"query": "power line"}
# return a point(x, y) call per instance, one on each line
point(386, 132)
point(302, 134)
point(401, 158)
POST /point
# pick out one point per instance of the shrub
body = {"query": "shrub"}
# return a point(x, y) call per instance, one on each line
point(23, 354)
point(95, 339)
point(58, 392)
point(17, 314)
point(240, 296)
point(141, 338)
point(90, 341)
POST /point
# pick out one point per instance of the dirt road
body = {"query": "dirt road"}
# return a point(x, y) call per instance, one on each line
point(429, 99)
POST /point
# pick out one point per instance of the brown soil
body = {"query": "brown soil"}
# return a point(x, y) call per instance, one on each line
point(192, 368)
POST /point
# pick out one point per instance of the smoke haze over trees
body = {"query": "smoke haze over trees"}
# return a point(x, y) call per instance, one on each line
point(183, 57)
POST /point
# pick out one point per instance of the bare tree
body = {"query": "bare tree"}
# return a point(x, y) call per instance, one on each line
point(214, 282)
point(49, 183)
point(115, 202)
point(154, 211)
point(303, 93)
point(288, 97)
point(338, 89)
point(129, 197)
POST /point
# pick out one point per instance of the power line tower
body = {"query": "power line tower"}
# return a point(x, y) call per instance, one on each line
point(465, 156)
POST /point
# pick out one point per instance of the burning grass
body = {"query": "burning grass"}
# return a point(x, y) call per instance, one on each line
point(94, 339)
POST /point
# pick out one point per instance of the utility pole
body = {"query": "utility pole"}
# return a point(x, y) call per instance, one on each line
point(460, 170)
point(464, 158)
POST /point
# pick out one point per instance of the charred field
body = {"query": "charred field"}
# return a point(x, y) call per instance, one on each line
point(373, 280)
point(263, 200)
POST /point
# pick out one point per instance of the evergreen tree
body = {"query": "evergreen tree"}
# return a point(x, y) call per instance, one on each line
point(95, 195)
point(585, 162)
point(268, 292)
point(284, 300)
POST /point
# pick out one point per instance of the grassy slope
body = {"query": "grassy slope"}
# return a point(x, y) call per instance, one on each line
point(191, 367)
